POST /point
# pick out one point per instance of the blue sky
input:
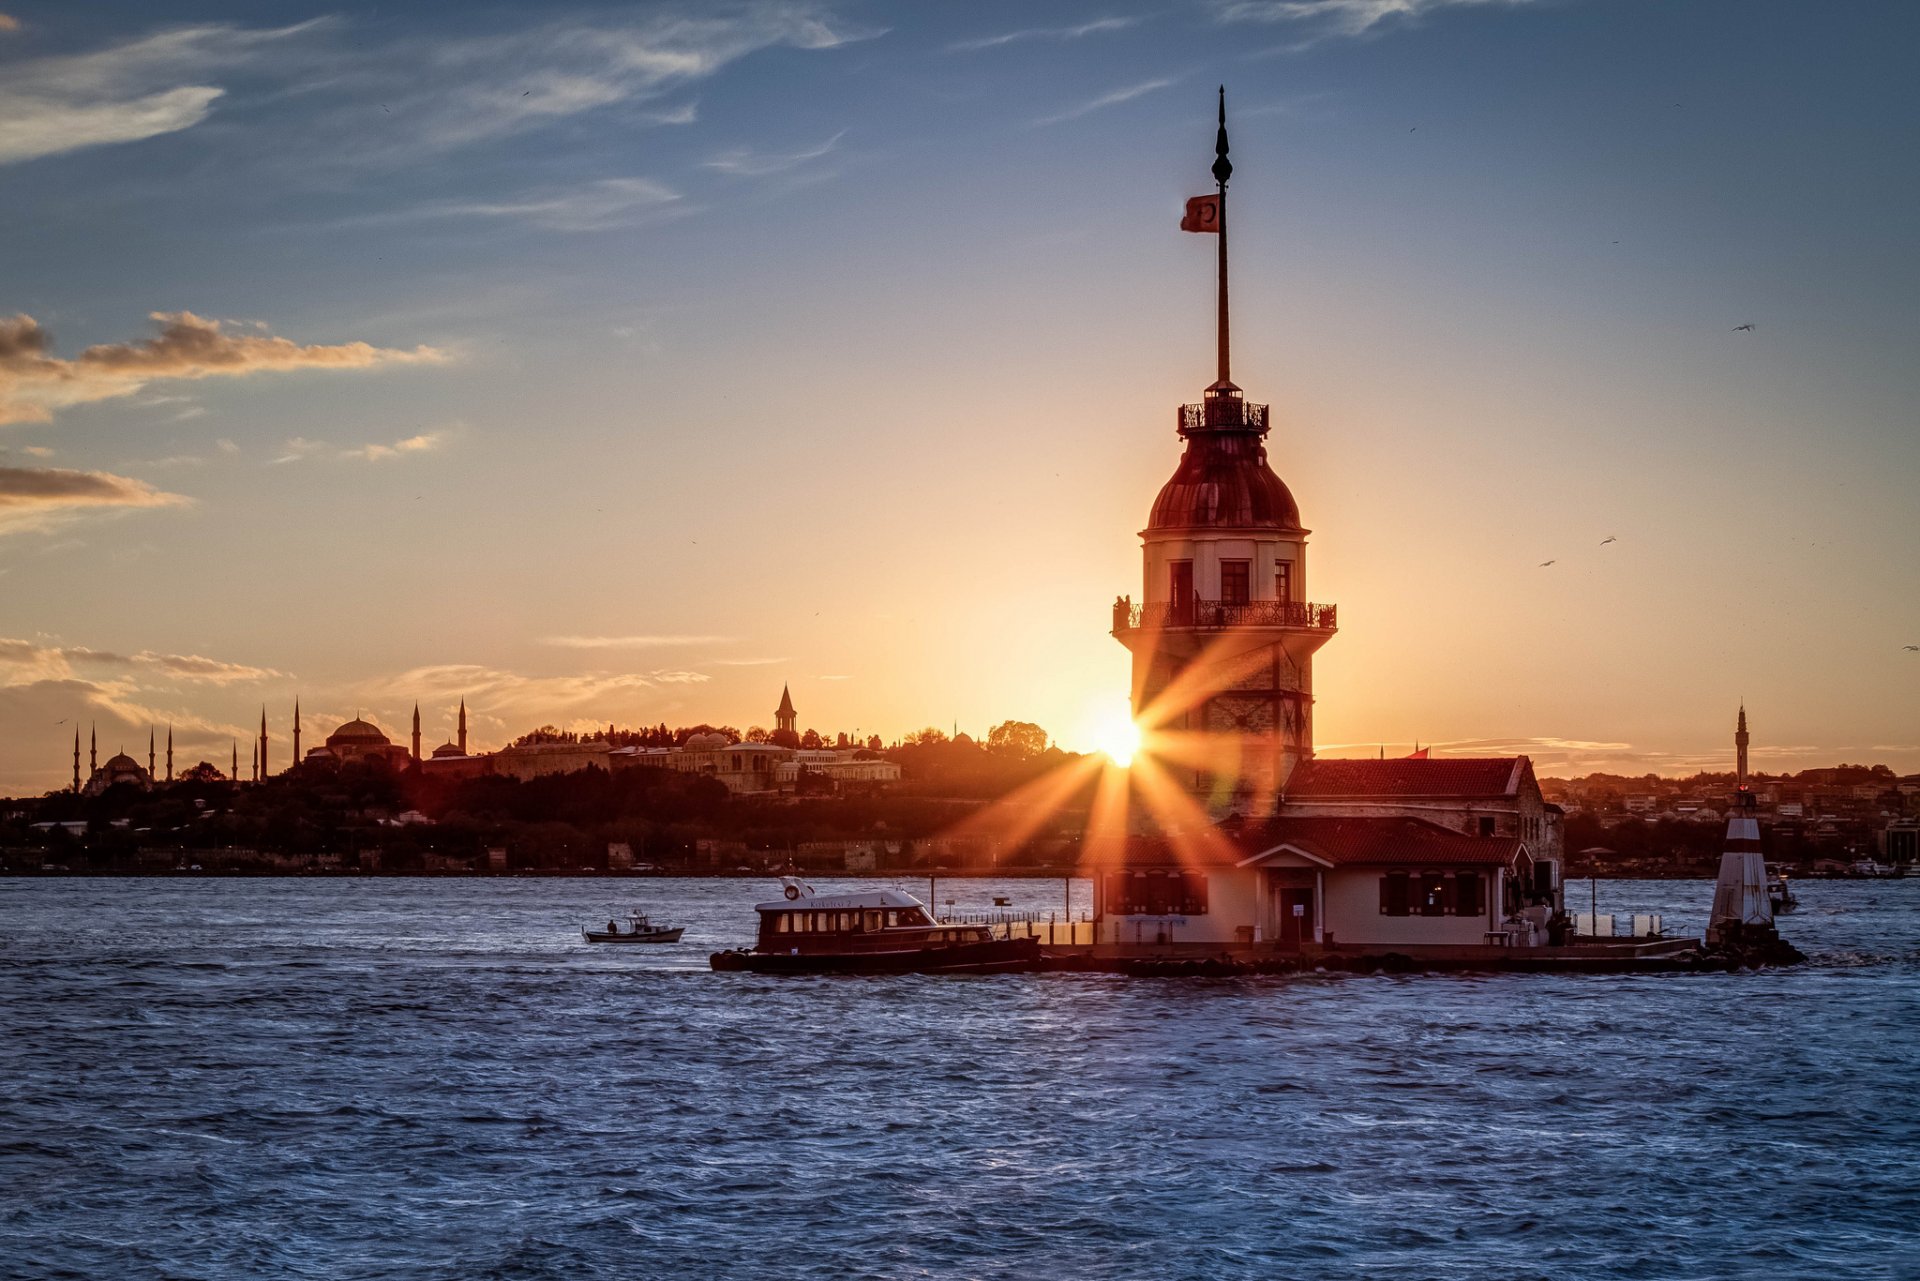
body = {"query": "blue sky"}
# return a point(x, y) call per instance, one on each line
point(624, 362)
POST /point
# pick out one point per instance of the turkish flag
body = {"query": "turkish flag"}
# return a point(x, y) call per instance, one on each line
point(1203, 214)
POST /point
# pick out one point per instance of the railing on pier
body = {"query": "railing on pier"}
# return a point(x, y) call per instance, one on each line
point(1218, 615)
point(1050, 928)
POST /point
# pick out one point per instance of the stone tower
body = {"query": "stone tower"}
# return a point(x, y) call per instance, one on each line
point(1223, 636)
point(1740, 749)
point(784, 717)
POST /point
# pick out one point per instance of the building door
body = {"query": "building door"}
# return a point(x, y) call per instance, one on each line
point(1296, 917)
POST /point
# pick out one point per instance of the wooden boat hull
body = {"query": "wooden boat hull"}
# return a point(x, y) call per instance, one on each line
point(997, 956)
point(651, 936)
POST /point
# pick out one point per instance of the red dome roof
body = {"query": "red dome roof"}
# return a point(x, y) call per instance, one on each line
point(1223, 480)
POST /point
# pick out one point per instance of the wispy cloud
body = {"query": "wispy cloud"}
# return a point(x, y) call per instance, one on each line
point(595, 206)
point(33, 497)
point(123, 93)
point(22, 660)
point(749, 662)
point(34, 384)
point(1096, 27)
point(423, 443)
point(1104, 101)
point(296, 448)
point(745, 162)
point(659, 641)
point(1318, 20)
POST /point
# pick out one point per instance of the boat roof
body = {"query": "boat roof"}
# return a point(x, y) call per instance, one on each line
point(841, 902)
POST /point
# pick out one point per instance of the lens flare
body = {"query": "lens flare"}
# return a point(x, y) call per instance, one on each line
point(1116, 734)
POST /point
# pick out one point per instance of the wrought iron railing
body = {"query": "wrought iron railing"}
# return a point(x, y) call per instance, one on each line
point(1223, 411)
point(1217, 615)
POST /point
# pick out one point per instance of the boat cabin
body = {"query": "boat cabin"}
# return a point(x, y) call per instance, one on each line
point(870, 921)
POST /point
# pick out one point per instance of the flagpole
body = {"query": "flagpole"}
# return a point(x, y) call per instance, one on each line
point(1222, 170)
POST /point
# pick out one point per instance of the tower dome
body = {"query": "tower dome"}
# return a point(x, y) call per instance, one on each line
point(1223, 480)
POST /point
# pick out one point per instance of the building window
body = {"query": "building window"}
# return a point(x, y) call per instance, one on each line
point(1236, 582)
point(1486, 826)
point(1433, 894)
point(1283, 581)
point(1467, 900)
point(1157, 893)
point(1395, 893)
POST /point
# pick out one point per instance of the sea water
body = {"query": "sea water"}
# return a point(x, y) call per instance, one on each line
point(338, 1078)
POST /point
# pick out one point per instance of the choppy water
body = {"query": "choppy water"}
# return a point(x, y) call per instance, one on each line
point(386, 1078)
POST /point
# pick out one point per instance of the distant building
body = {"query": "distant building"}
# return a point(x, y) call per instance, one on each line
point(535, 760)
point(359, 740)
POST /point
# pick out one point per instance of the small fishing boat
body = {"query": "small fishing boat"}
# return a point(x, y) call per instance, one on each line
point(871, 932)
point(1780, 895)
point(639, 930)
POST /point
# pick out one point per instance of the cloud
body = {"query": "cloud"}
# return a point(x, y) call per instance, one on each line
point(1113, 99)
point(595, 206)
point(33, 383)
point(748, 163)
point(425, 442)
point(632, 642)
point(749, 662)
point(30, 660)
point(514, 701)
point(296, 448)
point(31, 497)
point(122, 93)
point(8, 22)
point(1044, 33)
point(1325, 19)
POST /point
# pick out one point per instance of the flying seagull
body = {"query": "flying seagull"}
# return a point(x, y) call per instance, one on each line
point(1915, 648)
point(1545, 563)
point(1738, 328)
point(1608, 539)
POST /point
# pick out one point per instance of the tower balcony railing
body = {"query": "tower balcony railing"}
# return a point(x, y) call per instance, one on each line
point(1220, 615)
point(1223, 411)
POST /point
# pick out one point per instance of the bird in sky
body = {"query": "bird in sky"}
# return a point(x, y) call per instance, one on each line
point(1915, 648)
point(1738, 328)
point(1545, 563)
point(1608, 539)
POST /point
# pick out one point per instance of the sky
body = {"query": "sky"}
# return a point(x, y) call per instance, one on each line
point(625, 363)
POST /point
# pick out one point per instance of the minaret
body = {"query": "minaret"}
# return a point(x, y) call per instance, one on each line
point(260, 767)
point(150, 761)
point(463, 727)
point(416, 733)
point(254, 759)
point(784, 717)
point(169, 753)
point(93, 750)
point(1222, 638)
point(296, 733)
point(1740, 749)
point(76, 758)
point(235, 776)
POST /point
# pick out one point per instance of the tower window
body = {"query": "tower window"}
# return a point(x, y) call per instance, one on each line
point(1283, 581)
point(1236, 582)
point(1180, 589)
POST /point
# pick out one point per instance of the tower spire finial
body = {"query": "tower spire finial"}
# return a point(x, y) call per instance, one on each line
point(1223, 170)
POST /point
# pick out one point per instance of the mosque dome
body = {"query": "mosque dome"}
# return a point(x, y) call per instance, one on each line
point(120, 761)
point(358, 731)
point(446, 750)
point(707, 742)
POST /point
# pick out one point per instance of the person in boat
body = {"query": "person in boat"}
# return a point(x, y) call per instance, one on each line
point(613, 927)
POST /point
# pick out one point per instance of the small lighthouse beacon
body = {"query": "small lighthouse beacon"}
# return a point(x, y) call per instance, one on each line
point(1223, 636)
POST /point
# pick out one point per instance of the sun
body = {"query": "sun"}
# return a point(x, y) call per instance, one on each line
point(1115, 733)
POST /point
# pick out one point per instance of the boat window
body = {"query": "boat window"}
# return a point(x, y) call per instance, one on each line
point(873, 920)
point(913, 916)
point(784, 923)
point(893, 919)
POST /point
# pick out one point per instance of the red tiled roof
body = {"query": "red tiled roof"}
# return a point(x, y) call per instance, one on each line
point(1337, 842)
point(1379, 841)
point(1397, 779)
